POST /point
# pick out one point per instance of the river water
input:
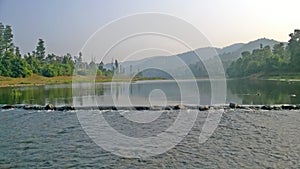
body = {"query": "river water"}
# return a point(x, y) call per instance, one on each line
point(242, 138)
point(239, 91)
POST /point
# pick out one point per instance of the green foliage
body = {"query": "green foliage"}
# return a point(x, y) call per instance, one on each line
point(40, 50)
point(13, 64)
point(294, 49)
point(278, 60)
point(49, 71)
point(19, 68)
point(7, 40)
point(1, 39)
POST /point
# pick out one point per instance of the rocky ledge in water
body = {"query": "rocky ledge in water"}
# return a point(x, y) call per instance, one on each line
point(141, 108)
point(39, 107)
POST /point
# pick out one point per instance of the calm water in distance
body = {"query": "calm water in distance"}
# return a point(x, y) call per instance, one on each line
point(154, 92)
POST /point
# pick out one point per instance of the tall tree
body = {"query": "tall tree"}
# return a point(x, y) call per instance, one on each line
point(294, 49)
point(80, 57)
point(1, 39)
point(40, 50)
point(17, 52)
point(278, 49)
point(7, 42)
point(116, 66)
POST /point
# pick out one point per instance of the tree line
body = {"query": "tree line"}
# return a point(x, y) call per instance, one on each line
point(280, 59)
point(14, 64)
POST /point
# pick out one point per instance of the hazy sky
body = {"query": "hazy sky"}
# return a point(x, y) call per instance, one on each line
point(65, 25)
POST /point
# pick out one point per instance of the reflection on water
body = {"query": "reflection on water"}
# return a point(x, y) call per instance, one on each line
point(56, 94)
point(263, 92)
point(152, 93)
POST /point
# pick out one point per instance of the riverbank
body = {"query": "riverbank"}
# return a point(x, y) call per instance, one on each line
point(289, 78)
point(274, 77)
point(278, 77)
point(36, 80)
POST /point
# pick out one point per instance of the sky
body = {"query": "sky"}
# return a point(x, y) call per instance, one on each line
point(66, 25)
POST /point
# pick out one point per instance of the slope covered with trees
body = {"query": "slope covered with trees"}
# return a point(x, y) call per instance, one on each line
point(279, 59)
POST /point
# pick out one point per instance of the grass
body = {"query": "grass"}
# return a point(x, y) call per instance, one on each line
point(33, 80)
point(36, 80)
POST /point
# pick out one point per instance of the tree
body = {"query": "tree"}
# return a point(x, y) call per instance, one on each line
point(50, 58)
point(80, 57)
point(262, 60)
point(101, 66)
point(1, 39)
point(7, 40)
point(278, 49)
point(19, 68)
point(12, 64)
point(92, 64)
point(34, 64)
point(17, 52)
point(40, 50)
point(246, 54)
point(49, 71)
point(294, 49)
point(6, 62)
point(116, 65)
point(68, 65)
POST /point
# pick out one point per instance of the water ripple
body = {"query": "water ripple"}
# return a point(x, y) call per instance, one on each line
point(243, 139)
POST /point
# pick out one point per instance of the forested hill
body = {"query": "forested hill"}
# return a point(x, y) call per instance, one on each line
point(233, 52)
point(269, 60)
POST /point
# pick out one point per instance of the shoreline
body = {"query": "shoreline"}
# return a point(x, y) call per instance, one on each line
point(37, 80)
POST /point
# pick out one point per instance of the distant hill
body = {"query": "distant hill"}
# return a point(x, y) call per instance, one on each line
point(227, 55)
point(234, 51)
point(181, 65)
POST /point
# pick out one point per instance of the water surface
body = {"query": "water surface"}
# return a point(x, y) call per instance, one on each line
point(243, 139)
point(153, 92)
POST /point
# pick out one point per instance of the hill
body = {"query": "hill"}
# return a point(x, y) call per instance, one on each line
point(181, 65)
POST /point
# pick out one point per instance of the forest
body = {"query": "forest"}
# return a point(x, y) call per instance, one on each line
point(281, 59)
point(14, 64)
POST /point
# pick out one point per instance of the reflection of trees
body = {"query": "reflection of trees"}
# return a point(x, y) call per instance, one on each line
point(36, 95)
point(250, 91)
point(99, 89)
point(264, 92)
point(117, 91)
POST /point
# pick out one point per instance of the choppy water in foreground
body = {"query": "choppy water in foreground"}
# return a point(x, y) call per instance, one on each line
point(243, 139)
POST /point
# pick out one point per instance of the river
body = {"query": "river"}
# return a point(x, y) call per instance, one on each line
point(242, 138)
